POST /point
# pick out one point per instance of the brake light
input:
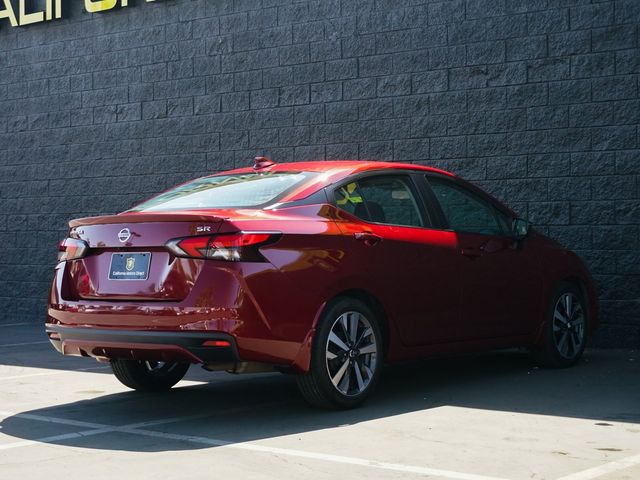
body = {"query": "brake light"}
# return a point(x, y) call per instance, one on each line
point(233, 247)
point(71, 249)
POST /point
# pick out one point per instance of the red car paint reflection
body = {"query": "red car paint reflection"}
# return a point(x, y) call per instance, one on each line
point(439, 290)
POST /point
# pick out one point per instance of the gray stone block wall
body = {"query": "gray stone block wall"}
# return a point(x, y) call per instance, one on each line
point(535, 100)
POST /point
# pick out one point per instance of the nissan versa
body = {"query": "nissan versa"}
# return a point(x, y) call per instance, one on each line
point(325, 270)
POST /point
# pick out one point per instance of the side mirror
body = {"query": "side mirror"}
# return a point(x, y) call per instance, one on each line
point(520, 228)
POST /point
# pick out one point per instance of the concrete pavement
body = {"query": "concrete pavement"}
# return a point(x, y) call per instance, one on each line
point(474, 418)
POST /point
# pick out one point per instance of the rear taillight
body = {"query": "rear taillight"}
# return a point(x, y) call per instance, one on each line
point(71, 248)
point(231, 247)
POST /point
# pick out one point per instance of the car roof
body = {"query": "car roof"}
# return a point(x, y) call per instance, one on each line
point(347, 167)
point(332, 171)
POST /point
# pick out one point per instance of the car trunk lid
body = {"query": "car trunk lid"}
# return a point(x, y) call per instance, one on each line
point(127, 258)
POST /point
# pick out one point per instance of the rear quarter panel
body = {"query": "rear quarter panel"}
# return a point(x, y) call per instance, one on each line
point(318, 262)
point(315, 259)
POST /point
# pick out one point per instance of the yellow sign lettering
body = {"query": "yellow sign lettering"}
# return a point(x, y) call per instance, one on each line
point(93, 6)
point(27, 18)
point(9, 13)
point(52, 10)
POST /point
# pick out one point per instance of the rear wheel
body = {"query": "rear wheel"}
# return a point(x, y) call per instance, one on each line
point(565, 331)
point(148, 376)
point(346, 356)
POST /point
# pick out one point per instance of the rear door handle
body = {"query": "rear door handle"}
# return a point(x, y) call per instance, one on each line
point(368, 238)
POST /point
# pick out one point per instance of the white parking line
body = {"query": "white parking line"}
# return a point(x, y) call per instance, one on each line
point(226, 412)
point(604, 469)
point(48, 373)
point(55, 438)
point(316, 456)
point(135, 430)
point(62, 421)
point(149, 423)
point(22, 344)
point(98, 428)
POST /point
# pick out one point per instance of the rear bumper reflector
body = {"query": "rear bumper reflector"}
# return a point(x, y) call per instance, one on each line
point(216, 343)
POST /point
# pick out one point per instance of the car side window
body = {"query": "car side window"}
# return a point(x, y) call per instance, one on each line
point(465, 211)
point(381, 199)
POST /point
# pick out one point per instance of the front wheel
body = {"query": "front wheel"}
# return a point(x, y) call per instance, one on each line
point(148, 376)
point(565, 330)
point(346, 356)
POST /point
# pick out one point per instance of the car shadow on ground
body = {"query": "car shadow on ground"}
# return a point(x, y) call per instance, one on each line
point(27, 345)
point(603, 387)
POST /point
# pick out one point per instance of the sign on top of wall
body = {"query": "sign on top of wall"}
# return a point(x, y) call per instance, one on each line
point(50, 10)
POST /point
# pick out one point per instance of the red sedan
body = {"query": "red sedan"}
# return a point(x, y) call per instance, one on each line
point(325, 270)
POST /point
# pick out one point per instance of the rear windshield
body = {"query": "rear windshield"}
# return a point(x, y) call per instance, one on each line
point(247, 190)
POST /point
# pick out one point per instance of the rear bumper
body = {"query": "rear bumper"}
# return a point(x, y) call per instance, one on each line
point(143, 344)
point(249, 303)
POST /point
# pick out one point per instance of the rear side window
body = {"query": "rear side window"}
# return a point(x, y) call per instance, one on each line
point(381, 199)
point(465, 211)
point(221, 191)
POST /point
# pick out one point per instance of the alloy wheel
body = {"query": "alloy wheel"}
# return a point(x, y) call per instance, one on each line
point(568, 325)
point(351, 353)
point(158, 368)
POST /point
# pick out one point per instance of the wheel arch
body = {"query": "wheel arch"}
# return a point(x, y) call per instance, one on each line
point(303, 358)
point(371, 301)
point(578, 282)
point(588, 297)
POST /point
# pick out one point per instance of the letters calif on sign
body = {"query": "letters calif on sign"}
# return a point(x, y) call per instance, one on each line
point(52, 9)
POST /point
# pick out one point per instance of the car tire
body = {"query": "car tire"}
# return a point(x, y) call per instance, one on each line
point(148, 376)
point(565, 329)
point(346, 356)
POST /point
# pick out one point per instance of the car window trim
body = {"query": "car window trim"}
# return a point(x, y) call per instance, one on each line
point(431, 203)
point(413, 187)
point(495, 209)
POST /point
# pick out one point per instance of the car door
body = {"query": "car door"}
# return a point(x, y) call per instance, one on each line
point(500, 280)
point(412, 267)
